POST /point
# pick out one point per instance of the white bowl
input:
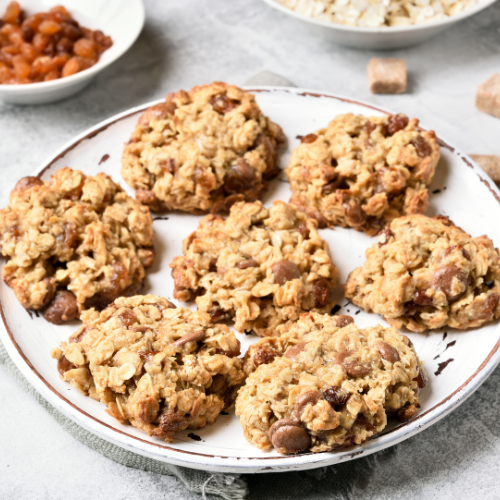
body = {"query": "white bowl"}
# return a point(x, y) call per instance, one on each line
point(378, 38)
point(122, 20)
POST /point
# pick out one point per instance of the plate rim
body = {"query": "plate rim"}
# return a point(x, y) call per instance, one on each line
point(218, 463)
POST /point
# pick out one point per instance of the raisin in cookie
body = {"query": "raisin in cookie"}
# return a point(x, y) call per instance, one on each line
point(74, 242)
point(363, 172)
point(202, 150)
point(426, 273)
point(261, 267)
point(160, 368)
point(333, 387)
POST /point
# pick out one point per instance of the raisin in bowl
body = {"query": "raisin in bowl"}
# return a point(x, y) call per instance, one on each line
point(113, 25)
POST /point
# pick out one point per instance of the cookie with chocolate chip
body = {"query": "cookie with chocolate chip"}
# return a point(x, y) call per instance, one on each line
point(74, 242)
point(159, 368)
point(328, 387)
point(426, 273)
point(201, 151)
point(289, 336)
point(261, 267)
point(363, 172)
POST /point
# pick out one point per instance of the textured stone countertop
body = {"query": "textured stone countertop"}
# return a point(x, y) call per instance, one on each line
point(187, 42)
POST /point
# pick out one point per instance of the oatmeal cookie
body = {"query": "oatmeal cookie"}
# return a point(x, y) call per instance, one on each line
point(426, 273)
point(363, 172)
point(74, 242)
point(261, 267)
point(201, 151)
point(160, 368)
point(288, 335)
point(332, 389)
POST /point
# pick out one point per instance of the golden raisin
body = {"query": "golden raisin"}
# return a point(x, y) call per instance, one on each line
point(71, 67)
point(16, 38)
point(12, 13)
point(22, 67)
point(59, 14)
point(29, 52)
point(52, 75)
point(70, 31)
point(49, 27)
point(34, 21)
point(85, 48)
point(40, 41)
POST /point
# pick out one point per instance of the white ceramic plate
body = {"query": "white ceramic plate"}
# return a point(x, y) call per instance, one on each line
point(465, 195)
point(378, 38)
point(122, 20)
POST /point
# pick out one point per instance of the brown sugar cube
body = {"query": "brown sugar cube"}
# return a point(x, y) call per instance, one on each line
point(490, 164)
point(387, 76)
point(488, 96)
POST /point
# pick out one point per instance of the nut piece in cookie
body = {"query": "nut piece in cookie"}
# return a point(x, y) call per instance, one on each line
point(426, 273)
point(160, 368)
point(363, 172)
point(201, 151)
point(74, 242)
point(335, 390)
point(261, 267)
point(387, 76)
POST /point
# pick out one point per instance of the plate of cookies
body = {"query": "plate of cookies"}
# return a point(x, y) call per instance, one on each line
point(253, 280)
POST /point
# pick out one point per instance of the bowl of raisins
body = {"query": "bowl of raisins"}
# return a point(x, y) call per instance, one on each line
point(49, 52)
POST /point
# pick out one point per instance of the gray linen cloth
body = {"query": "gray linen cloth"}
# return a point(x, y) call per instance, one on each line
point(336, 482)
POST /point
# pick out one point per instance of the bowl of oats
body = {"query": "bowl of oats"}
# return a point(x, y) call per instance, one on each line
point(379, 24)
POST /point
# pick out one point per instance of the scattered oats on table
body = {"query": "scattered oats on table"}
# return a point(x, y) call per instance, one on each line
point(328, 385)
point(426, 273)
point(201, 151)
point(74, 242)
point(363, 172)
point(261, 267)
point(160, 368)
point(378, 13)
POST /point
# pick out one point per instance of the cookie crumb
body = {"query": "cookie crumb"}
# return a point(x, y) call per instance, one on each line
point(442, 366)
point(104, 158)
point(194, 436)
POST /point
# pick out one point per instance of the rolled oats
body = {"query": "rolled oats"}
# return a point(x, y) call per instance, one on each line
point(426, 273)
point(327, 388)
point(378, 13)
point(140, 358)
point(363, 172)
point(201, 151)
point(262, 267)
point(74, 242)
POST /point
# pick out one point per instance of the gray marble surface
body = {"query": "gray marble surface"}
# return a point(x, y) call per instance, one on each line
point(187, 42)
